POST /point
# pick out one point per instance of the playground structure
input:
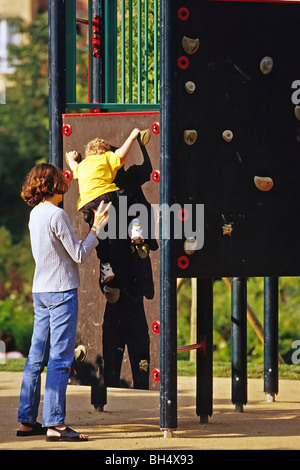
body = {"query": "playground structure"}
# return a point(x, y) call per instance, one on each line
point(228, 139)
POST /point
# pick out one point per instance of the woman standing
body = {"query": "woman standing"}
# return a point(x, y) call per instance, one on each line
point(57, 252)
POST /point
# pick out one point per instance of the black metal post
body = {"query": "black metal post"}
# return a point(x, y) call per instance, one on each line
point(271, 337)
point(239, 341)
point(56, 41)
point(168, 295)
point(204, 391)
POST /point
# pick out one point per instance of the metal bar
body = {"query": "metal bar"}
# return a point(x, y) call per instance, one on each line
point(239, 341)
point(146, 52)
point(56, 28)
point(98, 62)
point(168, 294)
point(111, 51)
point(82, 21)
point(130, 45)
point(155, 51)
point(90, 76)
point(70, 35)
point(204, 389)
point(139, 64)
point(115, 106)
point(123, 49)
point(190, 347)
point(271, 337)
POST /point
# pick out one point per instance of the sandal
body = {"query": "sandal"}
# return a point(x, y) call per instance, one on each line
point(67, 434)
point(36, 430)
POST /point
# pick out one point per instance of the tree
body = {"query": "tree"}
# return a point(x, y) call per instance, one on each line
point(23, 121)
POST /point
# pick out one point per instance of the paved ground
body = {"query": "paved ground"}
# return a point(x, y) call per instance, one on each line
point(131, 419)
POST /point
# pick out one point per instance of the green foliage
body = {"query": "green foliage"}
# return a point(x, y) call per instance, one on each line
point(16, 270)
point(288, 322)
point(23, 121)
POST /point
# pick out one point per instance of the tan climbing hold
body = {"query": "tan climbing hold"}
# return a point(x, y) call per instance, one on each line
point(190, 136)
point(190, 45)
point(263, 183)
point(297, 112)
point(80, 353)
point(227, 229)
point(266, 65)
point(190, 87)
point(227, 135)
point(144, 137)
point(190, 245)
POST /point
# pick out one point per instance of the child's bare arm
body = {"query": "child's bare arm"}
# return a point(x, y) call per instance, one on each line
point(124, 150)
point(71, 158)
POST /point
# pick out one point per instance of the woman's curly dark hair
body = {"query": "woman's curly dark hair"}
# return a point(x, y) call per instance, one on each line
point(43, 181)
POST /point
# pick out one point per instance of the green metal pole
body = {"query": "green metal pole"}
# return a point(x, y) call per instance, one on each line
point(110, 51)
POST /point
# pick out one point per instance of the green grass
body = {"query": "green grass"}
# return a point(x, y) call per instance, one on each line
point(188, 369)
point(223, 369)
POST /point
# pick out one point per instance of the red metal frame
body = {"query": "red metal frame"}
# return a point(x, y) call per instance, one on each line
point(129, 113)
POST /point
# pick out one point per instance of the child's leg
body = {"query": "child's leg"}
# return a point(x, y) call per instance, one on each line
point(103, 247)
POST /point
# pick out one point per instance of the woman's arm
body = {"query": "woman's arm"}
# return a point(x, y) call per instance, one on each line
point(78, 250)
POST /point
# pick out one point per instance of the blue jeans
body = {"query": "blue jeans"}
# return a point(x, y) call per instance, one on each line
point(52, 344)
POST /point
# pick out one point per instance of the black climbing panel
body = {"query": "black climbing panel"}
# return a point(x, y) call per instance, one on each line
point(242, 160)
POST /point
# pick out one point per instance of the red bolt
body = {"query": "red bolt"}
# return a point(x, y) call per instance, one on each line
point(68, 175)
point(156, 326)
point(183, 13)
point(155, 128)
point(156, 176)
point(183, 62)
point(156, 375)
point(183, 262)
point(67, 130)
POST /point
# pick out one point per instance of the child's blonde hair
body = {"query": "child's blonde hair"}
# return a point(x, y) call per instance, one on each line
point(96, 147)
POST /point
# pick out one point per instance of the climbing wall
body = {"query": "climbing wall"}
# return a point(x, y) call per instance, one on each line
point(133, 319)
point(236, 135)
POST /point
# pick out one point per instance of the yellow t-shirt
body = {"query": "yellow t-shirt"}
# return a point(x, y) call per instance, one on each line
point(96, 174)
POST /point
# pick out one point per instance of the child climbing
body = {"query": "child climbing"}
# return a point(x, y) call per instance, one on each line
point(96, 173)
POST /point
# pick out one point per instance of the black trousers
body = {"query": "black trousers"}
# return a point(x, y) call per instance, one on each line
point(125, 324)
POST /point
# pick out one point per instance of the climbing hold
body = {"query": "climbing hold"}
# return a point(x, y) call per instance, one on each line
point(66, 130)
point(67, 175)
point(227, 135)
point(143, 250)
point(183, 262)
point(156, 326)
point(155, 127)
point(80, 353)
point(183, 13)
point(190, 46)
point(227, 229)
point(266, 65)
point(190, 245)
point(190, 136)
point(183, 62)
point(297, 112)
point(155, 176)
point(263, 183)
point(143, 365)
point(144, 137)
point(190, 87)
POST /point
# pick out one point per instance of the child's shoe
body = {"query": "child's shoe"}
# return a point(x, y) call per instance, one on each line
point(106, 273)
point(112, 294)
point(136, 232)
